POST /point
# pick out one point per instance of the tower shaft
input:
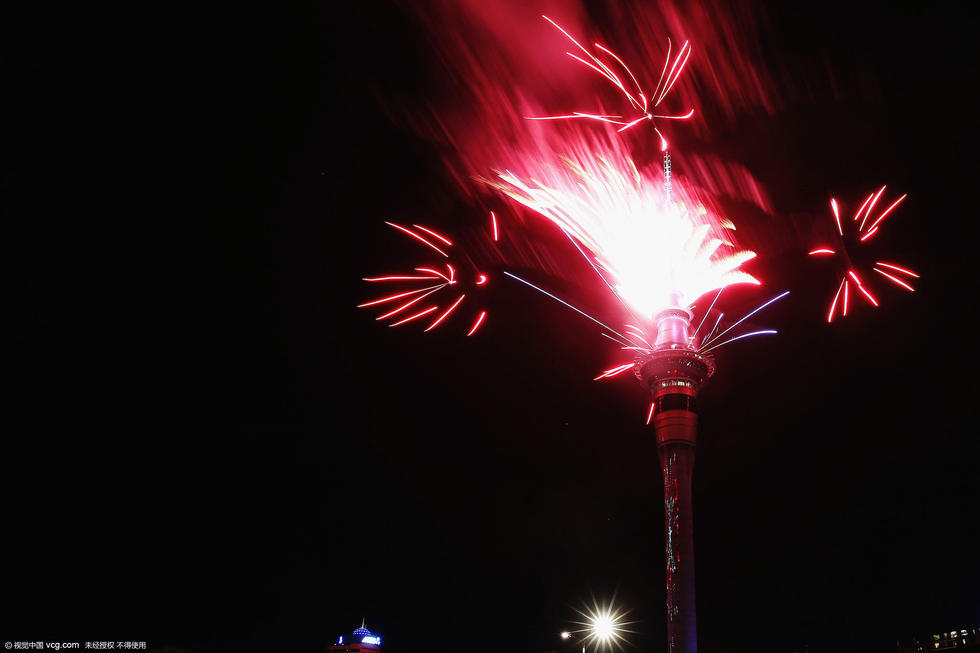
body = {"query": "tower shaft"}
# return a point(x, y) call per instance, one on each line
point(674, 372)
point(677, 466)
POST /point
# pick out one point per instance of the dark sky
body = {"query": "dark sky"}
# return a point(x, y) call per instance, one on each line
point(208, 446)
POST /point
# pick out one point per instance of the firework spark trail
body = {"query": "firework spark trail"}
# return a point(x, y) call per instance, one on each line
point(615, 339)
point(600, 67)
point(577, 310)
point(398, 278)
point(401, 308)
point(833, 206)
point(705, 316)
point(895, 279)
point(857, 282)
point(434, 234)
point(865, 230)
point(717, 322)
point(833, 304)
point(641, 338)
point(391, 298)
point(874, 225)
point(615, 371)
point(446, 314)
point(871, 206)
point(639, 100)
point(478, 323)
point(448, 278)
point(744, 335)
point(619, 369)
point(745, 317)
point(416, 237)
point(897, 268)
point(414, 317)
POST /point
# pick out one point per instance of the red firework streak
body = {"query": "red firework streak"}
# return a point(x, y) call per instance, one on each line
point(427, 282)
point(643, 106)
point(866, 229)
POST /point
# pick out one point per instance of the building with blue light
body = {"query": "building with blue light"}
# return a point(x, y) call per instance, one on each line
point(361, 640)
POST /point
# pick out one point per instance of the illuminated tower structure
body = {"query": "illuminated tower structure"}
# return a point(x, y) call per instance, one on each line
point(361, 640)
point(674, 372)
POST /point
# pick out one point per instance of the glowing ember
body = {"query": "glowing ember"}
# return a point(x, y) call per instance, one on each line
point(864, 232)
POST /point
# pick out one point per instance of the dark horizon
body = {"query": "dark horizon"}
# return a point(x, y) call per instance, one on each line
point(210, 447)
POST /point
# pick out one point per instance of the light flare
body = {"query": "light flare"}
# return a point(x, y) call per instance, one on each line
point(657, 252)
point(603, 626)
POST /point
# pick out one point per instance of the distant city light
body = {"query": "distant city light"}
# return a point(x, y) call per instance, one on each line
point(565, 634)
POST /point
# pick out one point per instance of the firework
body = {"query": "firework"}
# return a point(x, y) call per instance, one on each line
point(431, 282)
point(651, 252)
point(864, 229)
point(643, 107)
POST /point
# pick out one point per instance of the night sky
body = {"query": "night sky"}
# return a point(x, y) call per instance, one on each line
point(207, 446)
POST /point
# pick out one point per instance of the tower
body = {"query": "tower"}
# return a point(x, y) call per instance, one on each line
point(674, 372)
